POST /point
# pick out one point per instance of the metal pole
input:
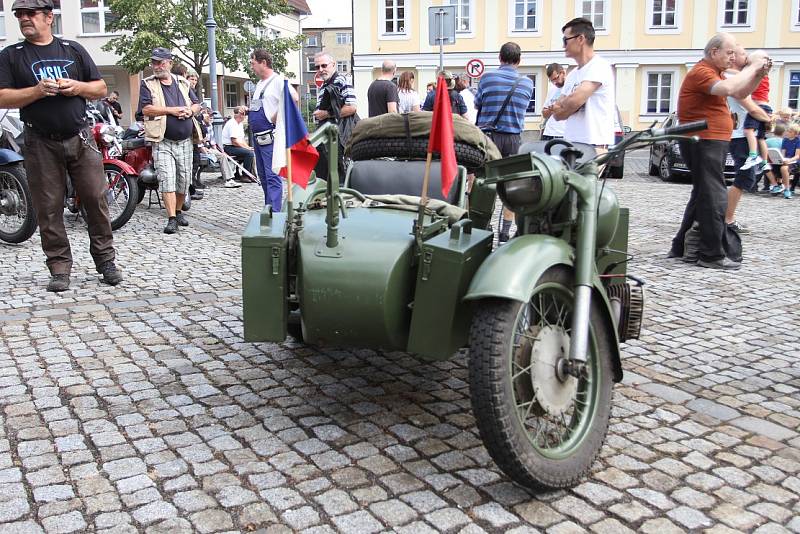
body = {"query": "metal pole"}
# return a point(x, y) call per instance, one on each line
point(441, 14)
point(212, 73)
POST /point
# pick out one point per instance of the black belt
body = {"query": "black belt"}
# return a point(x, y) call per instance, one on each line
point(53, 136)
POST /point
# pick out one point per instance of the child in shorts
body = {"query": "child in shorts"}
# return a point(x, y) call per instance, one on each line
point(790, 150)
point(755, 131)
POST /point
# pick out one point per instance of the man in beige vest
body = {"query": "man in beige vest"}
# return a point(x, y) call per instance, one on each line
point(168, 104)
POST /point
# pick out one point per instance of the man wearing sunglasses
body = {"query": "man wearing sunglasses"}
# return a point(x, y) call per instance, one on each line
point(336, 102)
point(588, 105)
point(49, 80)
point(553, 128)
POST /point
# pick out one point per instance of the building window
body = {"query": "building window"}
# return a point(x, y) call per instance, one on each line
point(342, 66)
point(312, 40)
point(794, 90)
point(794, 16)
point(663, 15)
point(524, 15)
point(736, 13)
point(344, 38)
point(2, 23)
point(594, 10)
point(532, 104)
point(231, 95)
point(95, 16)
point(310, 67)
point(57, 29)
point(395, 16)
point(463, 15)
point(659, 92)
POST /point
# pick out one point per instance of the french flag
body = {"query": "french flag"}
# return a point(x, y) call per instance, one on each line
point(291, 135)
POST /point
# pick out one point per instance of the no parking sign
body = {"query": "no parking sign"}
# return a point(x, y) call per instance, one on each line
point(475, 68)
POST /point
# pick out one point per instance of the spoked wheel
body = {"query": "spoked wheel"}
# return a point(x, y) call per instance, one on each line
point(122, 195)
point(541, 426)
point(17, 216)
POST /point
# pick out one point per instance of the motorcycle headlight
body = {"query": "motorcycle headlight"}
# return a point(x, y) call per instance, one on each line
point(107, 134)
point(528, 183)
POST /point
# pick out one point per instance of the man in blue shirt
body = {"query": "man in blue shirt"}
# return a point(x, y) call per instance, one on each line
point(504, 124)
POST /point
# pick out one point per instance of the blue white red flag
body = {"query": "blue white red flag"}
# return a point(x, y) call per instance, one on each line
point(291, 133)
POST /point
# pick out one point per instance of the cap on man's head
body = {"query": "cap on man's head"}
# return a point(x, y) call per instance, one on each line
point(161, 54)
point(32, 4)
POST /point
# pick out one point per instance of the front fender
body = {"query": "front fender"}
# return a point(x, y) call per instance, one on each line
point(123, 166)
point(511, 272)
point(9, 156)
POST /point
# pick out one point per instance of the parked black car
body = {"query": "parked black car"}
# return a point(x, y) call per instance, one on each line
point(666, 161)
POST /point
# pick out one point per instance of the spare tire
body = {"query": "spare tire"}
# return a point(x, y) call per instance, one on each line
point(416, 148)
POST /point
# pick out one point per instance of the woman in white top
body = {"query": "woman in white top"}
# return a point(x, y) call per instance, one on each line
point(409, 98)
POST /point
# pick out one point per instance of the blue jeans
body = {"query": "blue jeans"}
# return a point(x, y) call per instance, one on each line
point(271, 183)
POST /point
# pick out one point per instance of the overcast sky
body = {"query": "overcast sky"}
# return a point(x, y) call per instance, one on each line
point(329, 13)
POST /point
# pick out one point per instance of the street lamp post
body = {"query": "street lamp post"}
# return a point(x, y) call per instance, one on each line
point(212, 72)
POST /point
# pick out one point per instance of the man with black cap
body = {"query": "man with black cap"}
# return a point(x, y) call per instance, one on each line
point(50, 79)
point(457, 105)
point(168, 105)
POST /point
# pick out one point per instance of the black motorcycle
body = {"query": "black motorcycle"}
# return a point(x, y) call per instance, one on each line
point(17, 216)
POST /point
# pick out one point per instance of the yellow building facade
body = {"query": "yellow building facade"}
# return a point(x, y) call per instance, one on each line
point(650, 43)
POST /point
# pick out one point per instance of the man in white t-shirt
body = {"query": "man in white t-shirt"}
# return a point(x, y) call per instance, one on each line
point(553, 128)
point(261, 117)
point(587, 103)
point(234, 141)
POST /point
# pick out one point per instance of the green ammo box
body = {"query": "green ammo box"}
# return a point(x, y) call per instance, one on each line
point(264, 277)
point(440, 319)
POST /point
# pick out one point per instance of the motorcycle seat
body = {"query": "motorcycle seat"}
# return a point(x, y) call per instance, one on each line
point(395, 177)
point(132, 144)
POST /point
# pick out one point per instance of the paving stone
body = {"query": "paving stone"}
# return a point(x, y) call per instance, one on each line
point(538, 513)
point(494, 514)
point(70, 522)
point(336, 502)
point(736, 517)
point(357, 522)
point(211, 521)
point(689, 517)
point(393, 512)
point(764, 427)
point(300, 518)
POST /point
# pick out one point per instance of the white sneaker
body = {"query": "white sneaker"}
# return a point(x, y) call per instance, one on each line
point(751, 161)
point(765, 167)
point(231, 184)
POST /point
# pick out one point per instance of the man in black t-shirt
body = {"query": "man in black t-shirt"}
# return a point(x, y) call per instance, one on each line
point(113, 102)
point(168, 105)
point(50, 79)
point(382, 94)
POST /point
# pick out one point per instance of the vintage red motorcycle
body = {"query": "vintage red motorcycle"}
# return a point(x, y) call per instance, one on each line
point(123, 188)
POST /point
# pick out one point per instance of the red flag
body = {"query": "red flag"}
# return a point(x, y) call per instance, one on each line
point(441, 138)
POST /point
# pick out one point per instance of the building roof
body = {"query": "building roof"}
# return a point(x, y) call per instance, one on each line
point(300, 6)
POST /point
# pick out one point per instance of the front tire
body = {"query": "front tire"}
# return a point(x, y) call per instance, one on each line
point(664, 171)
point(122, 195)
point(543, 432)
point(17, 216)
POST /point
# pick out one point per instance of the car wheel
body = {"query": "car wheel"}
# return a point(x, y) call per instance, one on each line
point(664, 171)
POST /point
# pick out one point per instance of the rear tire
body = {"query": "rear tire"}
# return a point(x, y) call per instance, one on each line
point(542, 431)
point(17, 216)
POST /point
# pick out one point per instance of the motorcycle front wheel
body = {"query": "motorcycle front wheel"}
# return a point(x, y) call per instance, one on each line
point(543, 430)
point(17, 216)
point(122, 195)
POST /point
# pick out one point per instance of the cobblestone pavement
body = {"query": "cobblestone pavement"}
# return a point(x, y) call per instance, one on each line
point(141, 409)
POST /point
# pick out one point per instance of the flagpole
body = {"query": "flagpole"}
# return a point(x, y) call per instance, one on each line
point(288, 175)
point(423, 200)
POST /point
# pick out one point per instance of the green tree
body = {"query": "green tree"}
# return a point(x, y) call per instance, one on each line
point(180, 26)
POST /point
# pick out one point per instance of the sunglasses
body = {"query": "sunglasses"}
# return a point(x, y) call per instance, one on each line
point(565, 39)
point(321, 66)
point(30, 13)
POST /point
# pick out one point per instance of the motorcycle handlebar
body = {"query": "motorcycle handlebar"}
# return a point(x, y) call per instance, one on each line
point(680, 129)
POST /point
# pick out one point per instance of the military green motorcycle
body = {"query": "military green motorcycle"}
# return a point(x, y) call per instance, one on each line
point(542, 316)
